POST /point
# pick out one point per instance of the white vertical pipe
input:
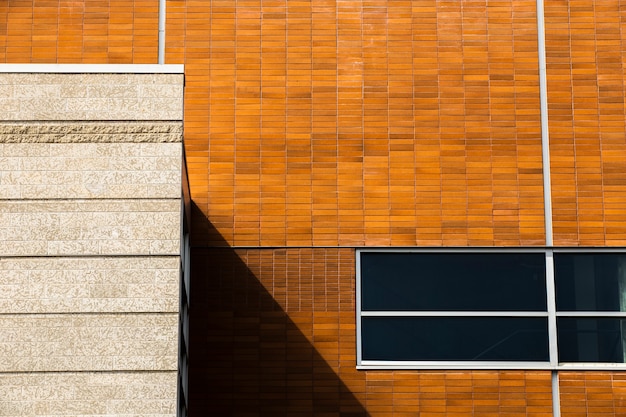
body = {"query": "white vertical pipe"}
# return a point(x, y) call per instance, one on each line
point(551, 296)
point(547, 197)
point(545, 135)
point(556, 396)
point(161, 56)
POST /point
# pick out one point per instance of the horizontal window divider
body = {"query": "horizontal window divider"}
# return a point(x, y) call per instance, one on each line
point(477, 249)
point(596, 366)
point(493, 249)
point(591, 249)
point(455, 314)
point(591, 314)
point(453, 365)
point(465, 365)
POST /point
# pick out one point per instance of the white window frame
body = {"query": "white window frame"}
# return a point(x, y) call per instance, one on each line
point(551, 314)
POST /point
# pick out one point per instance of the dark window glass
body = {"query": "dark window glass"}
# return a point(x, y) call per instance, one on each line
point(590, 282)
point(591, 339)
point(455, 338)
point(453, 281)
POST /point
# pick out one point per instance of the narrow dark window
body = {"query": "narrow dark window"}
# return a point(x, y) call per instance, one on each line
point(591, 339)
point(454, 307)
point(453, 282)
point(493, 308)
point(590, 282)
point(591, 307)
point(455, 338)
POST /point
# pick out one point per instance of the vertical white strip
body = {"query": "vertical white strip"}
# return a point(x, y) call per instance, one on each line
point(545, 136)
point(161, 56)
point(552, 332)
point(556, 395)
point(547, 210)
point(551, 294)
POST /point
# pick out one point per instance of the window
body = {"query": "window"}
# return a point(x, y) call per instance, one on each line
point(490, 308)
point(591, 306)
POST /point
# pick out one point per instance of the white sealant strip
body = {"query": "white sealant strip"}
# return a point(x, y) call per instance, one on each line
point(545, 135)
point(93, 68)
point(161, 52)
point(556, 395)
point(547, 192)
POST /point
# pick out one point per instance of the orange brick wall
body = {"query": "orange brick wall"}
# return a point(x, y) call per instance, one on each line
point(88, 31)
point(351, 123)
point(592, 394)
point(585, 66)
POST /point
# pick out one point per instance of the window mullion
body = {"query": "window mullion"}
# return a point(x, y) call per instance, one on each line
point(359, 312)
point(454, 314)
point(591, 314)
point(551, 304)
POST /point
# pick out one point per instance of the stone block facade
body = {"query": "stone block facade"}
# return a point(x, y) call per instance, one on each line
point(90, 242)
point(86, 393)
point(44, 96)
point(112, 284)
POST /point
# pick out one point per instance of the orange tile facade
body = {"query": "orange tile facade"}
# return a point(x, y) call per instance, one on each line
point(89, 31)
point(350, 123)
point(586, 106)
point(592, 394)
point(364, 123)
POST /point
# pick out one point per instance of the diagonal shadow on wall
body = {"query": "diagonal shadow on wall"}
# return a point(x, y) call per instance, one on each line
point(246, 356)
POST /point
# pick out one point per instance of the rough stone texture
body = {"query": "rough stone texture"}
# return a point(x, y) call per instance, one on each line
point(90, 170)
point(90, 227)
point(91, 132)
point(91, 96)
point(90, 206)
point(88, 342)
point(89, 285)
point(146, 394)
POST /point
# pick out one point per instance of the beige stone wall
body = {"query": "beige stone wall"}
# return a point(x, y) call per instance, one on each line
point(91, 96)
point(90, 225)
point(88, 342)
point(122, 160)
point(87, 393)
point(119, 284)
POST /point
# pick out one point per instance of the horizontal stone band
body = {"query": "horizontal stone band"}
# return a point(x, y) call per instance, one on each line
point(91, 132)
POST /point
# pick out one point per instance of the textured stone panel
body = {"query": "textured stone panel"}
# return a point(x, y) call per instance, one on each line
point(90, 170)
point(91, 96)
point(88, 342)
point(90, 132)
point(89, 227)
point(146, 394)
point(70, 285)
